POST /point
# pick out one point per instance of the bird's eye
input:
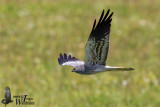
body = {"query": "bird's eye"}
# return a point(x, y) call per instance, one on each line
point(74, 69)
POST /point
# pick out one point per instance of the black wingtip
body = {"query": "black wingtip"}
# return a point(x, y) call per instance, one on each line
point(102, 28)
point(61, 56)
point(65, 56)
point(108, 10)
point(59, 61)
point(101, 17)
point(69, 57)
point(94, 25)
point(62, 59)
point(110, 16)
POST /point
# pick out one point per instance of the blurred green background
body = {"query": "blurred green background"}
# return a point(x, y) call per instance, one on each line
point(34, 32)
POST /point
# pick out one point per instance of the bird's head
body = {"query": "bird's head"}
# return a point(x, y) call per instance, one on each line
point(75, 69)
point(79, 69)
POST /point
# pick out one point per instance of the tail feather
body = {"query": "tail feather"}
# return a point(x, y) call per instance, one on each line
point(118, 68)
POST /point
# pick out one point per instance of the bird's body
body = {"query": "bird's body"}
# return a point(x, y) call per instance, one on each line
point(96, 50)
point(7, 97)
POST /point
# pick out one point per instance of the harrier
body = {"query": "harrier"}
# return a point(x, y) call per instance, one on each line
point(96, 50)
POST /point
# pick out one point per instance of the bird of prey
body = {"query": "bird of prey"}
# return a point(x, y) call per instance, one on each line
point(7, 97)
point(96, 50)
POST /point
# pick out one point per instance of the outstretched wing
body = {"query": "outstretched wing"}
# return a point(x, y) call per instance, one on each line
point(97, 46)
point(7, 93)
point(70, 61)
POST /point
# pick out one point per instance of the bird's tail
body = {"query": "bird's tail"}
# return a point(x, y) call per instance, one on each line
point(109, 68)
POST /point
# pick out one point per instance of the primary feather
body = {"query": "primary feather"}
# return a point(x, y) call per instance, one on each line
point(70, 61)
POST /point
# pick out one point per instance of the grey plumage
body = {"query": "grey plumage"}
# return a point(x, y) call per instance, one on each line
point(96, 50)
point(7, 96)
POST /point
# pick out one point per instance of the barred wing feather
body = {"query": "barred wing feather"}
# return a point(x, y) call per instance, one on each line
point(97, 46)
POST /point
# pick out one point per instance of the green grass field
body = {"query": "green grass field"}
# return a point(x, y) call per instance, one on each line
point(32, 34)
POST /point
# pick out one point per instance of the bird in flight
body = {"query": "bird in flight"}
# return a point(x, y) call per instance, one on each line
point(7, 97)
point(96, 50)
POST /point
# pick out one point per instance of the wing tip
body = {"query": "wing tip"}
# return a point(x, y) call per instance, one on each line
point(59, 61)
point(62, 59)
point(104, 23)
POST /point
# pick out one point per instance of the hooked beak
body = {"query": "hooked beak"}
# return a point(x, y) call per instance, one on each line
point(73, 69)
